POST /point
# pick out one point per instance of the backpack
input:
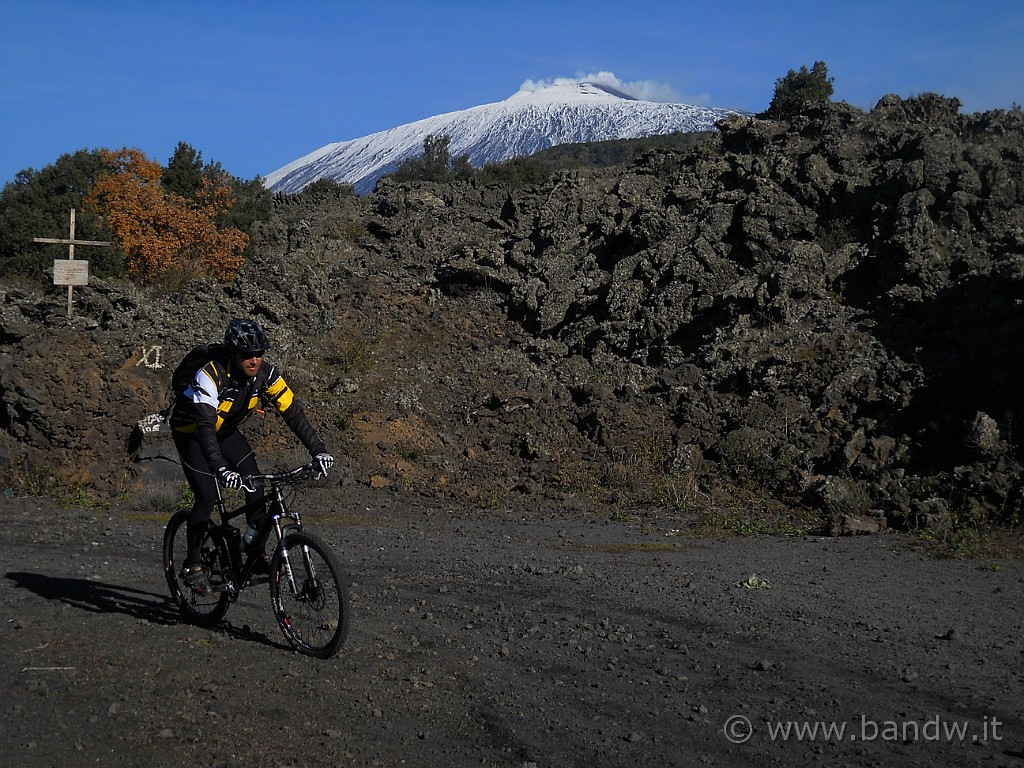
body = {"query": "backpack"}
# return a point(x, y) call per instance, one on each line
point(193, 360)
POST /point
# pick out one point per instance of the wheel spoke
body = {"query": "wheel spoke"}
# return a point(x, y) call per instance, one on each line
point(310, 595)
point(205, 609)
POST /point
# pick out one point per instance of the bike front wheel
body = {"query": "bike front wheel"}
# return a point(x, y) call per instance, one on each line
point(309, 593)
point(200, 608)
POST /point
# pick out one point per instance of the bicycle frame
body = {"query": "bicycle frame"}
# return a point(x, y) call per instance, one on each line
point(274, 503)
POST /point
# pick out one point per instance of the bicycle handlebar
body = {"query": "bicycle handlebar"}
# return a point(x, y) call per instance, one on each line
point(288, 476)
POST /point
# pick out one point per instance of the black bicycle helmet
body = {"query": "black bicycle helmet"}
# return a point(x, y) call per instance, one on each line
point(245, 336)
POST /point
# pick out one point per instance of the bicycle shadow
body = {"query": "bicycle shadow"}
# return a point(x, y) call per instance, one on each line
point(99, 597)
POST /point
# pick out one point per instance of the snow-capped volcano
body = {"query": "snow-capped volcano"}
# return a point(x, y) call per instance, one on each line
point(528, 121)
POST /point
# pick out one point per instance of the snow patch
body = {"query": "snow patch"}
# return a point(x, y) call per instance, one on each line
point(538, 116)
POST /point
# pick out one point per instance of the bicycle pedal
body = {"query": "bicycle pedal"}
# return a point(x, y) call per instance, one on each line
point(253, 580)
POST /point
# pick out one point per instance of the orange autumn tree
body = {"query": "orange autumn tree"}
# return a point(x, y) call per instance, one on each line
point(162, 233)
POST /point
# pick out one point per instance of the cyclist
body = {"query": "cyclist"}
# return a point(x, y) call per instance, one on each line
point(205, 422)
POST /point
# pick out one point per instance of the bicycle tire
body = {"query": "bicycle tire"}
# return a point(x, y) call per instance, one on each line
point(202, 609)
point(314, 615)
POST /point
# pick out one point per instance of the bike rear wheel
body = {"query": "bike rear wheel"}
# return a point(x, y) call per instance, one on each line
point(309, 593)
point(202, 609)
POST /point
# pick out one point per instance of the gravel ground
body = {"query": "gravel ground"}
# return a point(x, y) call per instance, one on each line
point(513, 640)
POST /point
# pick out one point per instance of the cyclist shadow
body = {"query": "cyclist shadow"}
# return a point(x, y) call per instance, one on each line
point(98, 597)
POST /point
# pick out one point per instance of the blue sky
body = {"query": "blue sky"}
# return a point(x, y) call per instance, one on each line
point(254, 85)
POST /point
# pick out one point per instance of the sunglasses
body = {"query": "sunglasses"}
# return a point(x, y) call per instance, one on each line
point(251, 353)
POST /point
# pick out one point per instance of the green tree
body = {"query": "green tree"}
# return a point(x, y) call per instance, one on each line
point(253, 202)
point(38, 204)
point(797, 91)
point(184, 173)
point(435, 164)
point(436, 155)
point(461, 167)
point(187, 176)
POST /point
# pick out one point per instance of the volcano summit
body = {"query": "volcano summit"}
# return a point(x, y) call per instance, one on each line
point(529, 121)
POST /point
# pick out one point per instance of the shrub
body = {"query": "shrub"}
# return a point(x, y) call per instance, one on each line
point(797, 91)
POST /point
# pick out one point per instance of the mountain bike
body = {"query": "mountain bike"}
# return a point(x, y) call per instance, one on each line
point(308, 589)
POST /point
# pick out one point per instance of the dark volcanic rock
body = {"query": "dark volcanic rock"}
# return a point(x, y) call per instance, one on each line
point(821, 315)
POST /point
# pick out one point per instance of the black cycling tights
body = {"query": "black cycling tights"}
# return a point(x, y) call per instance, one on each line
point(237, 454)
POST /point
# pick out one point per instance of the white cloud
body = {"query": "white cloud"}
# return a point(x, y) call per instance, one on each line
point(647, 90)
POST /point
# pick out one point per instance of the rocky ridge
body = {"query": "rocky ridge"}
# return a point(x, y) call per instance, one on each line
point(806, 323)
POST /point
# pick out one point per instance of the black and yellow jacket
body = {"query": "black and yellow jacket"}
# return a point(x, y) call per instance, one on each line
point(221, 398)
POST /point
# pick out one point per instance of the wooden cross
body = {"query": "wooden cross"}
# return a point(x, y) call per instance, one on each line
point(67, 271)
